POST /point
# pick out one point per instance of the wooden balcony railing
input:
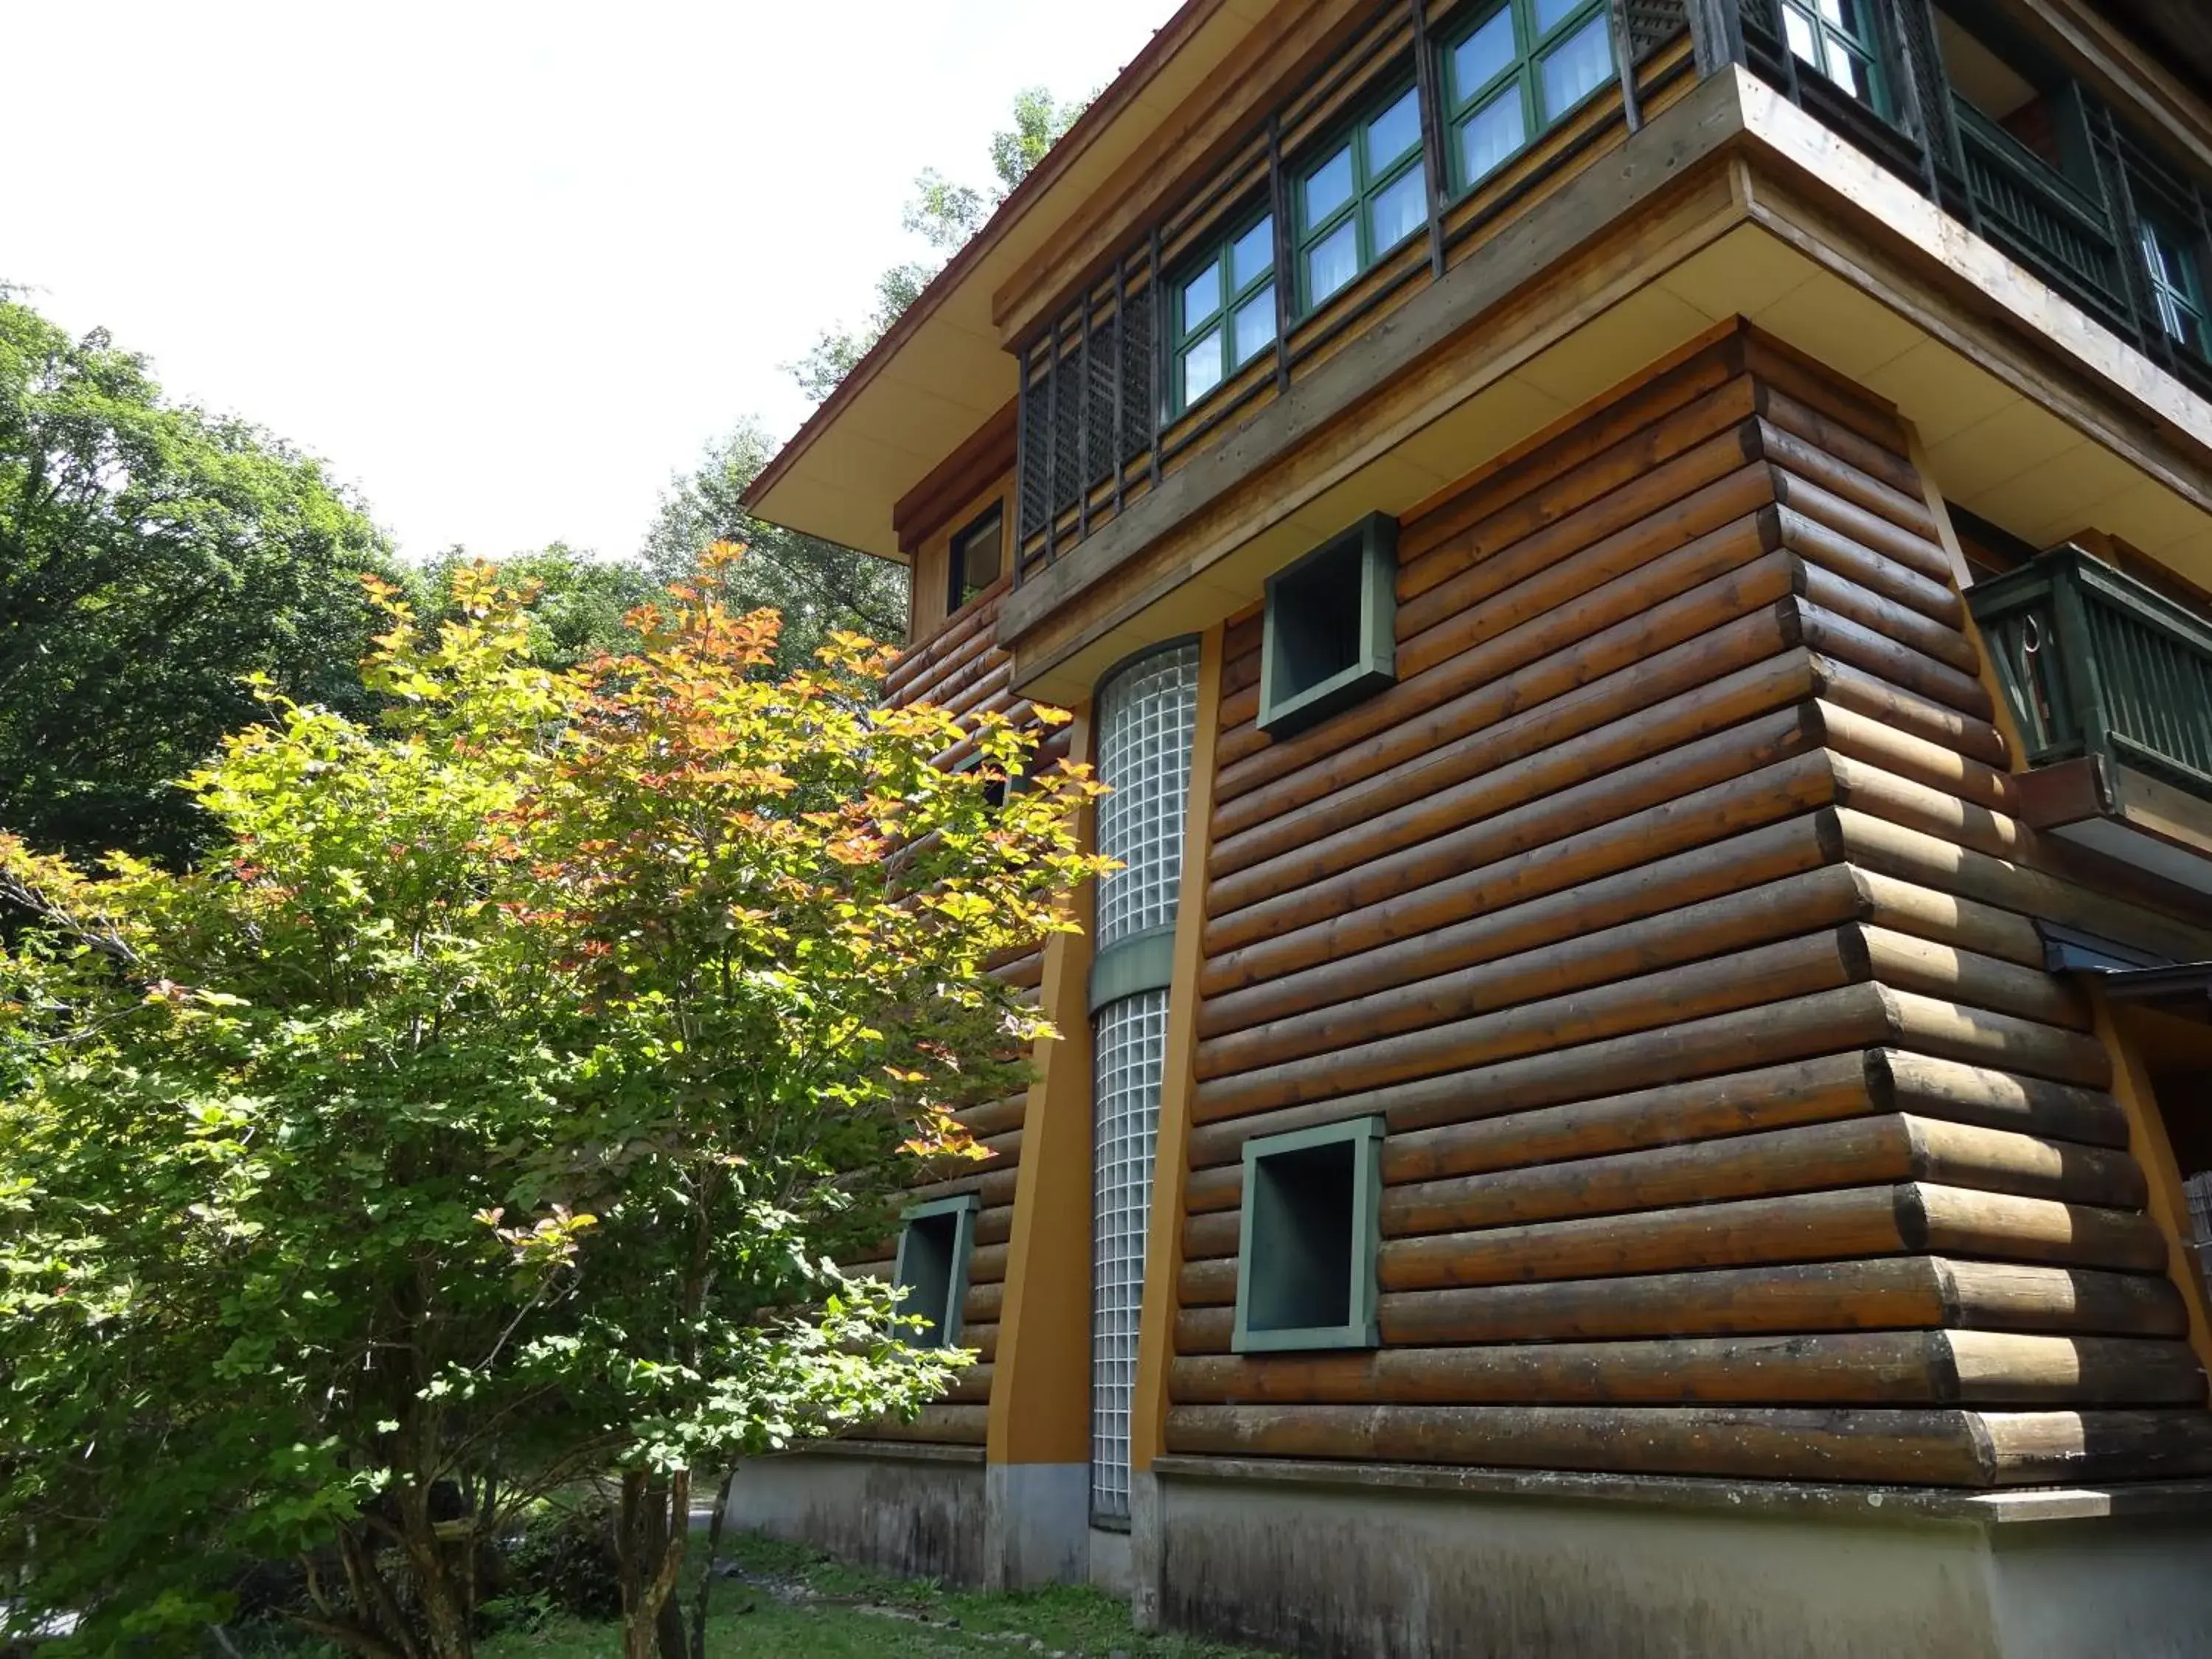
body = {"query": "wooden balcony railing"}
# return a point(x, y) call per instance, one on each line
point(2093, 662)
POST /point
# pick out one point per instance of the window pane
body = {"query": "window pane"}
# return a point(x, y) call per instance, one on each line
point(1201, 295)
point(1550, 14)
point(1333, 263)
point(1575, 70)
point(1393, 132)
point(978, 557)
point(1401, 208)
point(1483, 55)
point(1253, 328)
point(1800, 31)
point(1850, 71)
point(1253, 255)
point(1328, 186)
point(1493, 134)
point(1201, 367)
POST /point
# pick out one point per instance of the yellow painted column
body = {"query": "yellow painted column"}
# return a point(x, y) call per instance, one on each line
point(1178, 1078)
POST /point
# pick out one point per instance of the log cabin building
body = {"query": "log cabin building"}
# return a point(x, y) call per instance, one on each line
point(1641, 573)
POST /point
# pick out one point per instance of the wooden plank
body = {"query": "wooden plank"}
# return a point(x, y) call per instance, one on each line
point(1928, 1446)
point(1830, 460)
point(1910, 714)
point(940, 1425)
point(1793, 968)
point(1980, 1037)
point(1680, 933)
point(1836, 586)
point(1832, 635)
point(1931, 1087)
point(1943, 970)
point(1877, 462)
point(1878, 744)
point(1746, 722)
point(1480, 522)
point(1909, 1219)
point(1665, 621)
point(1539, 572)
point(1493, 930)
point(1878, 842)
point(1847, 1368)
point(1913, 561)
point(2042, 1449)
point(1553, 862)
point(1888, 1293)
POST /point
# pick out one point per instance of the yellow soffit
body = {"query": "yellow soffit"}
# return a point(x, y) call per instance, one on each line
point(941, 372)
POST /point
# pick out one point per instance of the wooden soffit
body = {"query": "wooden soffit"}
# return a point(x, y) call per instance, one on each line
point(941, 371)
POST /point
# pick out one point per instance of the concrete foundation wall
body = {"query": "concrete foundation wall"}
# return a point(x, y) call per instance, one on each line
point(911, 1510)
point(1375, 1573)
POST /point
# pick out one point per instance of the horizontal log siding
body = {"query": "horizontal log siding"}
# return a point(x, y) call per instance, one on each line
point(1672, 910)
point(963, 670)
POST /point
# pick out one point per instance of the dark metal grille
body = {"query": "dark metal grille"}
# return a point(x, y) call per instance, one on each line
point(1652, 24)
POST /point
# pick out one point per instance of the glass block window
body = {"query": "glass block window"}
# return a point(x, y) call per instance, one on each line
point(2176, 296)
point(1224, 311)
point(1130, 1039)
point(1512, 72)
point(1365, 195)
point(1837, 38)
point(1147, 714)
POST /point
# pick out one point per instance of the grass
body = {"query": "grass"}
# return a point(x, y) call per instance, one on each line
point(789, 1602)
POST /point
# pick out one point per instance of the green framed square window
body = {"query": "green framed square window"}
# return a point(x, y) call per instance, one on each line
point(932, 1266)
point(1363, 194)
point(1329, 635)
point(1837, 38)
point(1511, 71)
point(2177, 286)
point(1224, 311)
point(1311, 1224)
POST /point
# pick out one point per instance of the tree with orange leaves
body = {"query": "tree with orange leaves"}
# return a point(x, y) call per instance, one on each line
point(488, 1112)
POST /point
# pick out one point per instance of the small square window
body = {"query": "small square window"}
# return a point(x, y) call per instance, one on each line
point(978, 556)
point(1330, 635)
point(932, 1267)
point(1312, 1220)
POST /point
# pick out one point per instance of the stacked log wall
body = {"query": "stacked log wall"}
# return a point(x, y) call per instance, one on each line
point(1673, 911)
point(962, 669)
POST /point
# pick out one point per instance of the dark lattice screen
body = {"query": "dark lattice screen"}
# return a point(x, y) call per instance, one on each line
point(1137, 378)
point(1652, 24)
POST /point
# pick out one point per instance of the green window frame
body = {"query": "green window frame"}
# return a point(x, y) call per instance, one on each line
point(1224, 311)
point(1366, 194)
point(1307, 1239)
point(1511, 71)
point(1837, 38)
point(1328, 635)
point(932, 1267)
point(2177, 291)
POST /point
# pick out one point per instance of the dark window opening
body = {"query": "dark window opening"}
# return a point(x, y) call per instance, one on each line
point(932, 1269)
point(1330, 636)
point(1306, 1271)
point(979, 554)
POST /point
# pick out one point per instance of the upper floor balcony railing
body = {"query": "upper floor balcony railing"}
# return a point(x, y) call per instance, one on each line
point(2095, 662)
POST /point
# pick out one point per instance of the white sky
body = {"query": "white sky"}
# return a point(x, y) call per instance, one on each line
point(507, 266)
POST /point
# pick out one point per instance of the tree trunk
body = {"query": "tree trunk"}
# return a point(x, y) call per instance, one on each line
point(655, 1526)
point(707, 1567)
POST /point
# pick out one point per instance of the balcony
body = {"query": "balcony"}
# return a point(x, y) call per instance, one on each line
point(2093, 227)
point(2110, 686)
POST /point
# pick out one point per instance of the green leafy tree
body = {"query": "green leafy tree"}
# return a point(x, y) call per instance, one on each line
point(150, 556)
point(945, 214)
point(579, 605)
point(485, 1111)
point(818, 586)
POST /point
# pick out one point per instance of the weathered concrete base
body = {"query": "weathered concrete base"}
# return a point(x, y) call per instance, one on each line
point(1146, 1568)
point(1109, 1562)
point(1038, 1524)
point(917, 1510)
point(1383, 1564)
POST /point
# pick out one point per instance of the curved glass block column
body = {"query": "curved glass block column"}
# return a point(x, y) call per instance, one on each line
point(1148, 711)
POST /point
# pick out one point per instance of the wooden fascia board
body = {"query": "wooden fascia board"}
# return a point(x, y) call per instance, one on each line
point(1198, 137)
point(2125, 74)
point(1687, 138)
point(2043, 347)
point(1122, 96)
point(987, 454)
